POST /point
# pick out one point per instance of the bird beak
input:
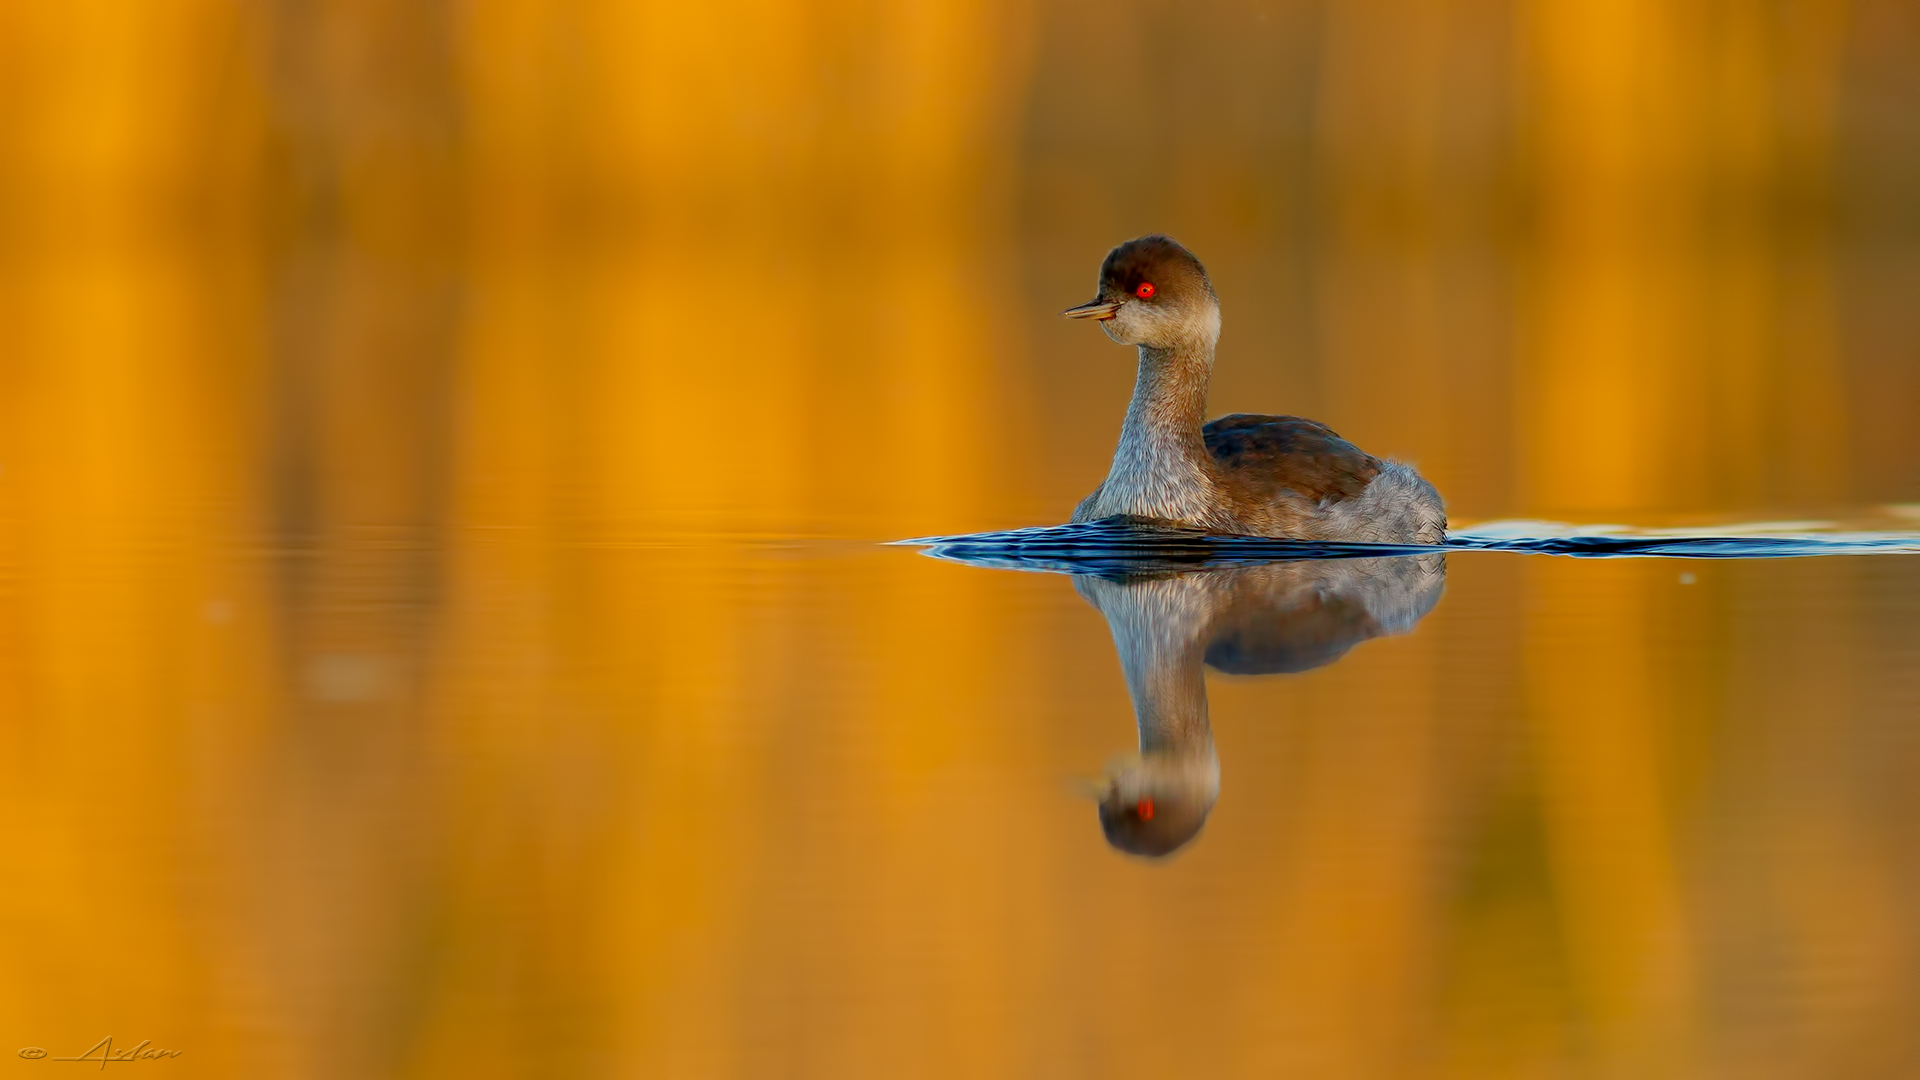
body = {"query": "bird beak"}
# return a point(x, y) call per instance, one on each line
point(1092, 309)
point(1091, 788)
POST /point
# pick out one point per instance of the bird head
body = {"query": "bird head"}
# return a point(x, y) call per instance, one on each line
point(1153, 292)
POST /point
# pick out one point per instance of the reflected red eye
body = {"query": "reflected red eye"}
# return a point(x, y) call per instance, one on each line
point(1145, 806)
point(1145, 292)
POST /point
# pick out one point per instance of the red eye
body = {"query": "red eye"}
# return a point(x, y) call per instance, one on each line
point(1145, 292)
point(1145, 807)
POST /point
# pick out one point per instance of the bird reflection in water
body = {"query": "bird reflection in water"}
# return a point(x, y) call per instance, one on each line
point(1270, 619)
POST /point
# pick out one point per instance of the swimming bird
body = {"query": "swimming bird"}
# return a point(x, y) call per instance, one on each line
point(1248, 474)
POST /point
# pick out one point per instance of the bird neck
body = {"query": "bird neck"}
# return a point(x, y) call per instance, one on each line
point(1161, 468)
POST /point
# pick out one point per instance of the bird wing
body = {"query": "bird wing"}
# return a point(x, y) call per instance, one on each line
point(1274, 456)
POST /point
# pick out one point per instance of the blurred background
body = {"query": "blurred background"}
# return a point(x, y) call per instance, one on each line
point(411, 415)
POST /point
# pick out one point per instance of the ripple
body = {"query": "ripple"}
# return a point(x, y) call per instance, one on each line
point(1107, 546)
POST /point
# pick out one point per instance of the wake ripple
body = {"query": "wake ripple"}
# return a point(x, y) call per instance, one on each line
point(1104, 546)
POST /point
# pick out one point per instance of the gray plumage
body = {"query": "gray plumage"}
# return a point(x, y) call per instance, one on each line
point(1253, 475)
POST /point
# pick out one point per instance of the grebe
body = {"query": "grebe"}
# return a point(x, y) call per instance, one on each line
point(1252, 475)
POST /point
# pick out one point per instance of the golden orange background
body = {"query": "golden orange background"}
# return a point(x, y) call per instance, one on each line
point(439, 445)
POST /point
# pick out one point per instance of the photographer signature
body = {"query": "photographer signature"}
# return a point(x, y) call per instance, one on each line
point(104, 1053)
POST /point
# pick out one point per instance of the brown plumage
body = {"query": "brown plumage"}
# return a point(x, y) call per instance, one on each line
point(1248, 474)
point(1266, 458)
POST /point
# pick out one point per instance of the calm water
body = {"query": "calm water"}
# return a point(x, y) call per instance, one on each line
point(613, 804)
point(450, 453)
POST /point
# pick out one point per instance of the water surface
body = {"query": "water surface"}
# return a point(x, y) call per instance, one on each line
point(759, 804)
point(449, 454)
